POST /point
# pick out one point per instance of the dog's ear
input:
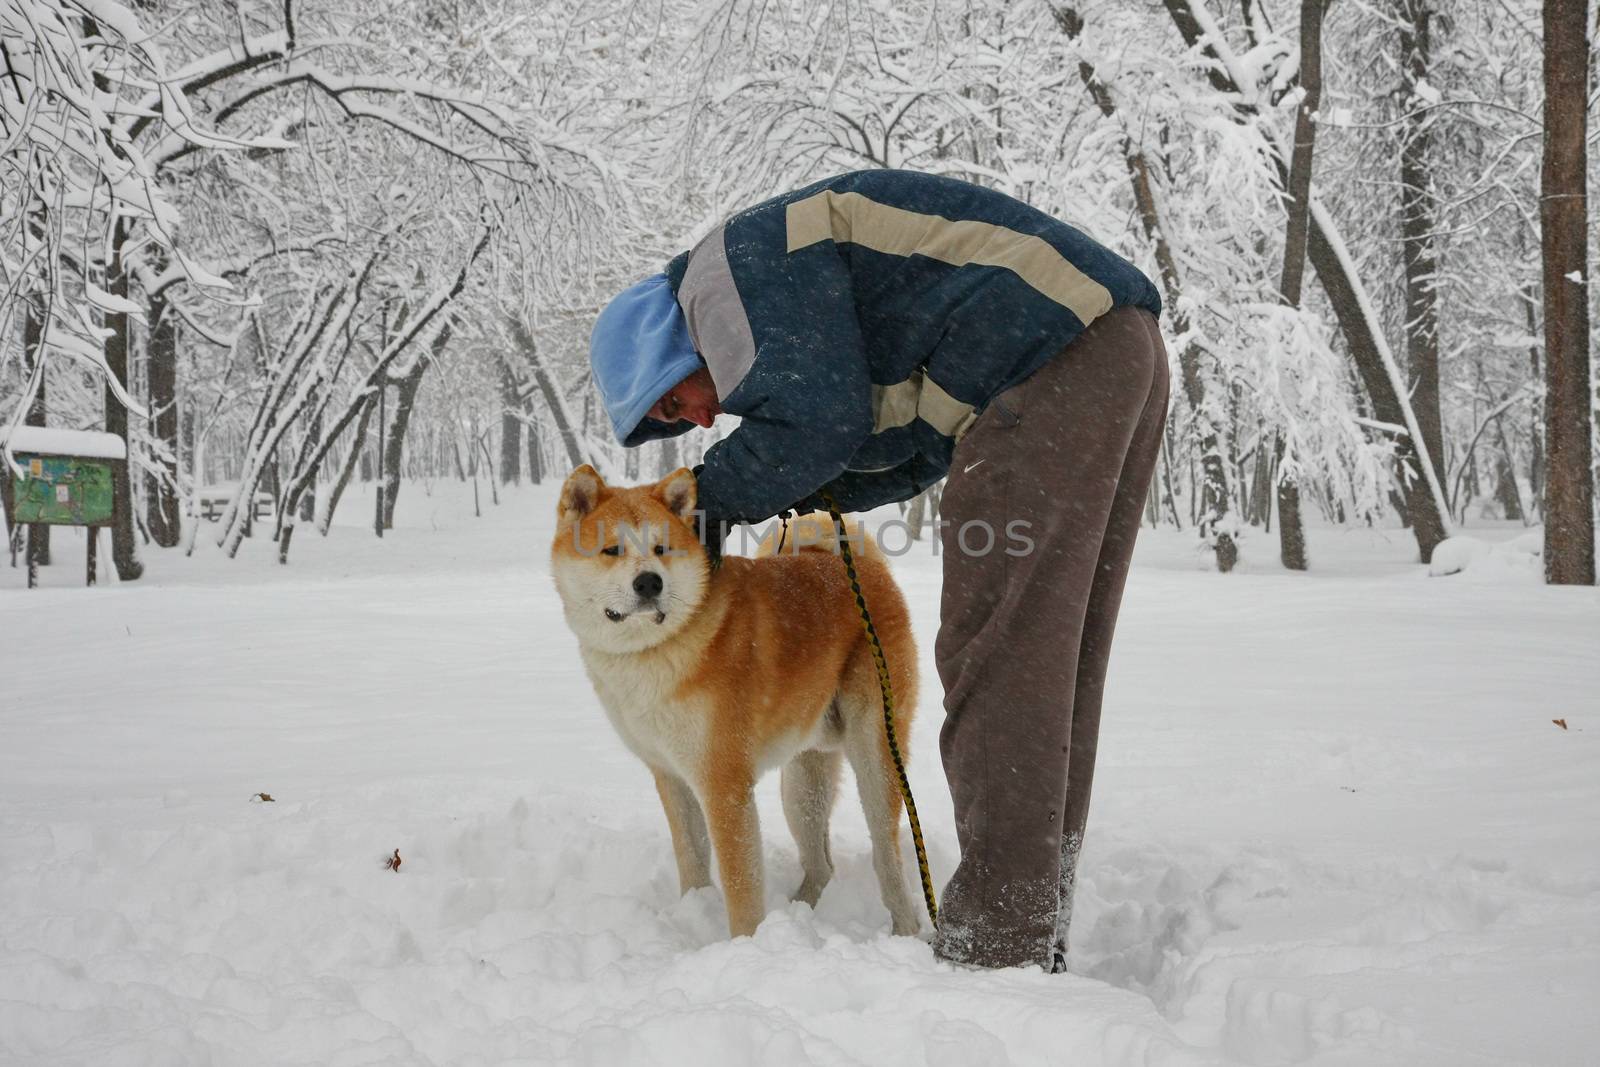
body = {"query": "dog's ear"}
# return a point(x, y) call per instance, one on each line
point(679, 492)
point(580, 494)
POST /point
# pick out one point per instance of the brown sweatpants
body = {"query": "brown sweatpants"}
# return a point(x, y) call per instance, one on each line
point(1056, 469)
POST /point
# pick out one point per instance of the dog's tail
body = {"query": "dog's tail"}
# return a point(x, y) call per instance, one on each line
point(817, 533)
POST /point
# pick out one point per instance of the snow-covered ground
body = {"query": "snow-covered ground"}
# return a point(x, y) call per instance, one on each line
point(1334, 824)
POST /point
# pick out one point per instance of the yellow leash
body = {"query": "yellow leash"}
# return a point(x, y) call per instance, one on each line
point(888, 705)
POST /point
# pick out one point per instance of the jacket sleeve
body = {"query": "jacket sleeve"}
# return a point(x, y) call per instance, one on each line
point(805, 402)
point(865, 490)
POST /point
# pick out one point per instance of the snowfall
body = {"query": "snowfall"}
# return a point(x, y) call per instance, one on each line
point(1346, 817)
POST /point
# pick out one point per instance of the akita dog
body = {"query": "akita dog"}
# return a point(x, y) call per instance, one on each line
point(713, 676)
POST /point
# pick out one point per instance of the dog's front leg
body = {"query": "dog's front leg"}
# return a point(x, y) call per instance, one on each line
point(690, 842)
point(736, 833)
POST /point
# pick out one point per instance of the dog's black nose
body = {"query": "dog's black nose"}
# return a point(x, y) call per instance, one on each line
point(647, 585)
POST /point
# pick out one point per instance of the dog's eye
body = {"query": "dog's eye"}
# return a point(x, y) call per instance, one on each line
point(660, 550)
point(612, 550)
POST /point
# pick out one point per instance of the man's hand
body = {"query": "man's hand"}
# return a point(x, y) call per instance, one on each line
point(709, 530)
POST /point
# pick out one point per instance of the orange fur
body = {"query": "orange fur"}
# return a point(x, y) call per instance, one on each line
point(764, 664)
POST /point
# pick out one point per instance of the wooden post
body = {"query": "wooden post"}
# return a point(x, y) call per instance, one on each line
point(94, 542)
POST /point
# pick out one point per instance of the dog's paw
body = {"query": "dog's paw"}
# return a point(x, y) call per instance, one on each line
point(810, 890)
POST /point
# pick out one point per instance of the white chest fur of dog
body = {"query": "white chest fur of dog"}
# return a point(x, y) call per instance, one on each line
point(712, 677)
point(640, 698)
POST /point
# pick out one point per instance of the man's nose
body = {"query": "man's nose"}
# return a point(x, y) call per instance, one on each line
point(701, 417)
point(647, 584)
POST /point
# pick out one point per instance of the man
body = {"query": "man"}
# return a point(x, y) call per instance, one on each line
point(878, 331)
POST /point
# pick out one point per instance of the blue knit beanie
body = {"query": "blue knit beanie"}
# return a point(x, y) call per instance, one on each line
point(640, 348)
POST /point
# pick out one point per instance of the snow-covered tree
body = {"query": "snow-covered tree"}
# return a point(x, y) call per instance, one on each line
point(226, 179)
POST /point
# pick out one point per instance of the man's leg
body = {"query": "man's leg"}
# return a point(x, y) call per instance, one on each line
point(1099, 624)
point(1036, 479)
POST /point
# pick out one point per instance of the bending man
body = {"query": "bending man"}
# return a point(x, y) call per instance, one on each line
point(879, 331)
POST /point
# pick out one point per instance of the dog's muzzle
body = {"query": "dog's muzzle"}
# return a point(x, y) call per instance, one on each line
point(647, 586)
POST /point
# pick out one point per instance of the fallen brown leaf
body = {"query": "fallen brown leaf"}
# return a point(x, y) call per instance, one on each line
point(265, 798)
point(1560, 722)
point(393, 862)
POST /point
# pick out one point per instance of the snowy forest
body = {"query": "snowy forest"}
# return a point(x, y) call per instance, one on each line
point(284, 246)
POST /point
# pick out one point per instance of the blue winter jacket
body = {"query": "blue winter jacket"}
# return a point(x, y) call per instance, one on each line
point(859, 325)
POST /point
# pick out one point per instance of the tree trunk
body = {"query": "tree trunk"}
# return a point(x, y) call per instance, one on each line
point(1169, 488)
point(358, 447)
point(13, 533)
point(124, 551)
point(917, 516)
point(336, 316)
point(1417, 224)
point(1212, 493)
point(405, 402)
point(394, 442)
point(488, 461)
point(308, 494)
point(510, 427)
point(1509, 491)
point(161, 493)
point(1563, 215)
point(668, 460)
point(271, 483)
point(1530, 302)
point(316, 449)
point(552, 393)
point(1505, 489)
point(1291, 526)
point(186, 442)
point(124, 547)
point(535, 457)
point(1422, 510)
point(275, 411)
point(32, 334)
point(1261, 475)
point(1423, 494)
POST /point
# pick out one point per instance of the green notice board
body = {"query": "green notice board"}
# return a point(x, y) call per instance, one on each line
point(62, 490)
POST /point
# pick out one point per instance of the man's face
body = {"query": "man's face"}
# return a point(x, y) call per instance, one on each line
point(694, 398)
